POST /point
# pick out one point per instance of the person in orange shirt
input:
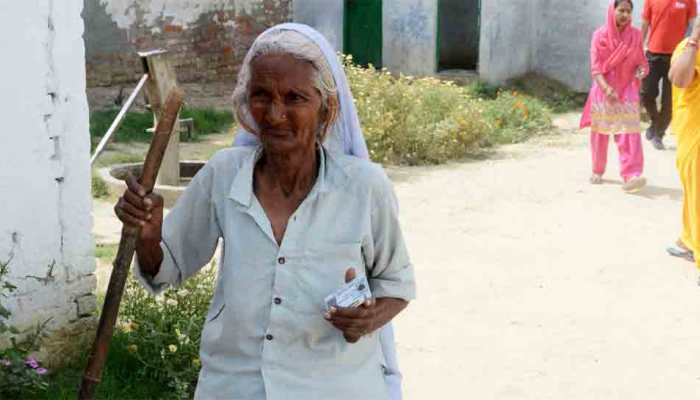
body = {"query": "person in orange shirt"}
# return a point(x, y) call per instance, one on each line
point(664, 24)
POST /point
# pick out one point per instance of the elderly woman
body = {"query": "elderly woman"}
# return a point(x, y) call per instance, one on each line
point(297, 218)
point(345, 136)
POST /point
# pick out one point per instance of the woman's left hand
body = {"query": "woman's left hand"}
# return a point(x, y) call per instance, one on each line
point(355, 322)
point(365, 319)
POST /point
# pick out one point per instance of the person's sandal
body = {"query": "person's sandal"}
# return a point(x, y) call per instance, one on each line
point(596, 179)
point(634, 185)
point(681, 252)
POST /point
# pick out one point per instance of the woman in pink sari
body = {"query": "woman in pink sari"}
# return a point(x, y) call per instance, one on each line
point(617, 64)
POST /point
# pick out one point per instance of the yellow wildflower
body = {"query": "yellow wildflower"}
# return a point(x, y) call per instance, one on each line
point(172, 348)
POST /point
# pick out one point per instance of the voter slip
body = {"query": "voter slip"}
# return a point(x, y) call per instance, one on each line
point(350, 295)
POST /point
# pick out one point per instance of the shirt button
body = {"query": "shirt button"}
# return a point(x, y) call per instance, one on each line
point(281, 260)
point(278, 300)
point(269, 337)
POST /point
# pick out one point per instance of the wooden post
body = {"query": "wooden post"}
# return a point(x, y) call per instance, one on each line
point(127, 246)
point(162, 80)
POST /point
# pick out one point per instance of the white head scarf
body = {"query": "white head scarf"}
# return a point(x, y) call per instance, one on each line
point(345, 134)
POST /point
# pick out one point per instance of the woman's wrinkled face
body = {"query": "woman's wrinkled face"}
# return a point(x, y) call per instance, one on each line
point(623, 14)
point(284, 103)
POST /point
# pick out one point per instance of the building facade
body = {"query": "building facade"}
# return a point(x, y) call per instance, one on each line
point(496, 39)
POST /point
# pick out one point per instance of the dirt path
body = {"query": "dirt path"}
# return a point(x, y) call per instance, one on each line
point(534, 284)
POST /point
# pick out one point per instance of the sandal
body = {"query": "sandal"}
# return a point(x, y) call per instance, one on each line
point(596, 179)
point(680, 252)
point(634, 185)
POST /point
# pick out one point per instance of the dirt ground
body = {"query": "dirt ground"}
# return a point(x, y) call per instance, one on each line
point(534, 284)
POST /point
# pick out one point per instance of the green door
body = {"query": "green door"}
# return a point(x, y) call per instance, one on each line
point(363, 31)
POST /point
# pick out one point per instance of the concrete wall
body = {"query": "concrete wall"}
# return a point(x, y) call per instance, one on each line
point(410, 36)
point(45, 220)
point(563, 38)
point(326, 16)
point(543, 36)
point(506, 39)
point(207, 38)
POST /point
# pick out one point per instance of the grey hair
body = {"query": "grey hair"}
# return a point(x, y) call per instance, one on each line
point(299, 46)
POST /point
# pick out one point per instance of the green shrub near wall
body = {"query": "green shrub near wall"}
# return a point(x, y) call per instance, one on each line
point(427, 121)
point(133, 128)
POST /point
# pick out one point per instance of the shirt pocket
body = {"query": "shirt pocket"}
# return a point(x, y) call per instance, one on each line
point(213, 328)
point(323, 272)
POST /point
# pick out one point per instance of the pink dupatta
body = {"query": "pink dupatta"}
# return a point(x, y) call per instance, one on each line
point(616, 51)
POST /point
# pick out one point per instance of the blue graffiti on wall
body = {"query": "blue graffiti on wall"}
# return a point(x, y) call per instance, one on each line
point(412, 25)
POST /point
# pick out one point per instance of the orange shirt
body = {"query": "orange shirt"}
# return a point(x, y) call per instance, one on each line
point(668, 22)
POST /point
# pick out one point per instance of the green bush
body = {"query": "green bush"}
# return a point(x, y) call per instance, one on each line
point(483, 90)
point(413, 121)
point(99, 187)
point(133, 128)
point(160, 335)
point(515, 117)
point(427, 121)
point(555, 95)
point(208, 120)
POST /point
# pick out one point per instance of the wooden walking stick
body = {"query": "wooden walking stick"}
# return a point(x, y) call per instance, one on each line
point(127, 246)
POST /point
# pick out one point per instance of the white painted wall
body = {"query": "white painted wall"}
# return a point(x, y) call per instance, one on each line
point(44, 161)
point(410, 36)
point(326, 16)
point(505, 50)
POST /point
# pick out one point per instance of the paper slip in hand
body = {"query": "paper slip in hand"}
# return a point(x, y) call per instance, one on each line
point(350, 295)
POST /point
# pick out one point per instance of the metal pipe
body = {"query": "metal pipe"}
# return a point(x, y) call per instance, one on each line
point(118, 120)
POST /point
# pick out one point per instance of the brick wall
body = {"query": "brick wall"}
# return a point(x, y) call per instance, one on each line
point(207, 38)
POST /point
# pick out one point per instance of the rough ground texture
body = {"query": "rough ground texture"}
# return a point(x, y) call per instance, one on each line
point(533, 284)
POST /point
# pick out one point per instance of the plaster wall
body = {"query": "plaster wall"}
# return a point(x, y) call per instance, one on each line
point(563, 36)
point(45, 222)
point(410, 36)
point(506, 39)
point(326, 16)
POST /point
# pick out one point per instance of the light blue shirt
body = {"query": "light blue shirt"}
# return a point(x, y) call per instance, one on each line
point(265, 335)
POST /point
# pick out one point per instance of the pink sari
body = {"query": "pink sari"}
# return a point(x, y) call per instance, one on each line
point(616, 55)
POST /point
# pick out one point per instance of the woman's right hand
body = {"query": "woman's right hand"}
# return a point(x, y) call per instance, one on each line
point(610, 94)
point(137, 208)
